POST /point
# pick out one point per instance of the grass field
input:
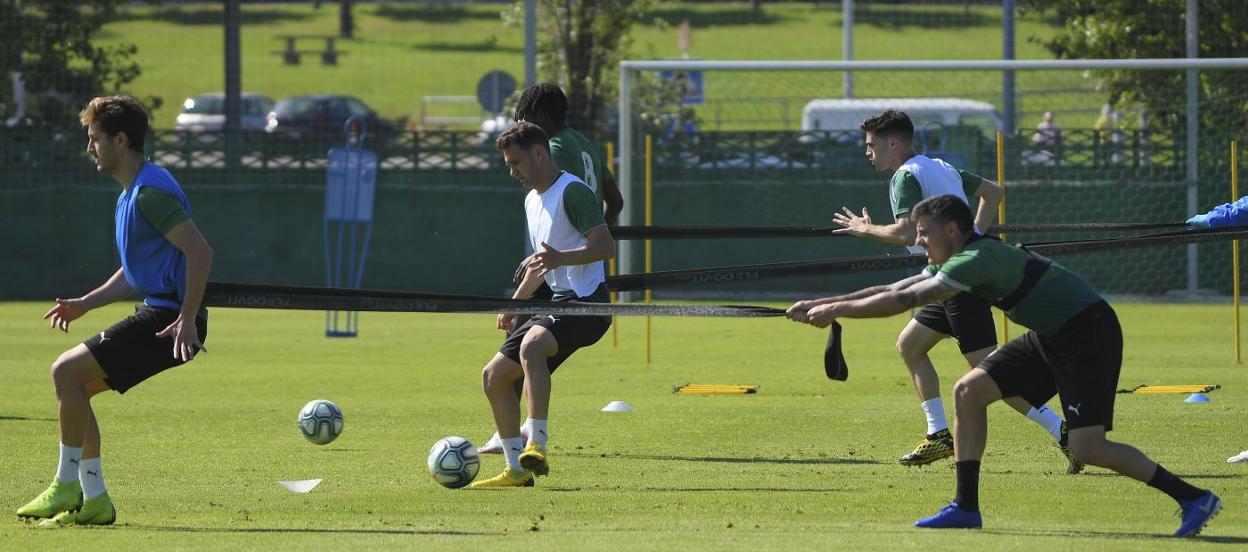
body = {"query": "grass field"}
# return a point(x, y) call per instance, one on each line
point(192, 457)
point(403, 52)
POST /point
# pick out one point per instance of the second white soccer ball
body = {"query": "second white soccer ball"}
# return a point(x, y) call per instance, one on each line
point(453, 462)
point(320, 421)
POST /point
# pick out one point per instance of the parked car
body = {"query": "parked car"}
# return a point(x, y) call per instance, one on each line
point(323, 115)
point(206, 112)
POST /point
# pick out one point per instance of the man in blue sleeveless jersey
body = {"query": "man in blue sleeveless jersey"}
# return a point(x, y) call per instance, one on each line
point(164, 258)
point(570, 236)
point(1074, 351)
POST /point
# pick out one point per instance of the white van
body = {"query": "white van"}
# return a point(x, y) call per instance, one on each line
point(834, 115)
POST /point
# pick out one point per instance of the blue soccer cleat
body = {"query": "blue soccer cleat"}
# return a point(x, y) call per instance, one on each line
point(952, 517)
point(1197, 512)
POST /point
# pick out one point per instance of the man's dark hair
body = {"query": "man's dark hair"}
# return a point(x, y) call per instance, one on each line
point(543, 99)
point(118, 114)
point(945, 208)
point(891, 123)
point(524, 134)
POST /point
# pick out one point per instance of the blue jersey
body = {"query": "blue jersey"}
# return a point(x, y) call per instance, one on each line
point(152, 265)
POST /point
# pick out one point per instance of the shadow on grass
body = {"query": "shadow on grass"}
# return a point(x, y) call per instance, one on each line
point(482, 46)
point(1161, 537)
point(435, 14)
point(212, 16)
point(295, 530)
point(25, 419)
point(699, 489)
point(733, 460)
point(1184, 476)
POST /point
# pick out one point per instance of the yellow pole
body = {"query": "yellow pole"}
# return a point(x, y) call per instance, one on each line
point(1005, 322)
point(649, 215)
point(1235, 246)
point(615, 326)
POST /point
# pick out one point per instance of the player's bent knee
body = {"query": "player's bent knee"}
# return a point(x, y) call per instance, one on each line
point(1089, 447)
point(538, 346)
point(500, 374)
point(975, 389)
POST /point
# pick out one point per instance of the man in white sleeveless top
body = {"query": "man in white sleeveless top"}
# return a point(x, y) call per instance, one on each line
point(889, 139)
point(571, 240)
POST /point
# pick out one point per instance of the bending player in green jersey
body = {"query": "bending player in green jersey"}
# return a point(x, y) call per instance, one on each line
point(1073, 350)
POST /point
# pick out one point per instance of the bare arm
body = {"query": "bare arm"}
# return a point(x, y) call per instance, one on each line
point(65, 311)
point(860, 294)
point(187, 238)
point(990, 195)
point(897, 233)
point(613, 200)
point(886, 303)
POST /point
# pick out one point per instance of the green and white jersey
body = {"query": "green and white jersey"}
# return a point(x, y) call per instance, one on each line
point(561, 216)
point(921, 177)
point(573, 152)
point(993, 270)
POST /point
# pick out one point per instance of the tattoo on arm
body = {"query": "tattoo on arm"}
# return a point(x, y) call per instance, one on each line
point(908, 298)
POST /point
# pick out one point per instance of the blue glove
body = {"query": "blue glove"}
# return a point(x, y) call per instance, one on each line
point(1199, 221)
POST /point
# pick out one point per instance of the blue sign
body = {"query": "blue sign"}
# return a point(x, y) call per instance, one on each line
point(690, 83)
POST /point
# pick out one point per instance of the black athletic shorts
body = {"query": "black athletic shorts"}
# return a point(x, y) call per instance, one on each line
point(1080, 363)
point(129, 351)
point(571, 332)
point(964, 316)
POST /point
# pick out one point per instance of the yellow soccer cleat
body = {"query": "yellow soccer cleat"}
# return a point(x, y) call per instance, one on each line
point(509, 478)
point(932, 448)
point(95, 511)
point(59, 497)
point(534, 459)
point(1073, 465)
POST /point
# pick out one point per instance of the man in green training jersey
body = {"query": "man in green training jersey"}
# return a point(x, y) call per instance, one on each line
point(1074, 351)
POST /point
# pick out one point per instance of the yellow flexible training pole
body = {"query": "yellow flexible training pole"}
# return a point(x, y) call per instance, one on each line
point(649, 215)
point(1005, 322)
point(1235, 245)
point(615, 322)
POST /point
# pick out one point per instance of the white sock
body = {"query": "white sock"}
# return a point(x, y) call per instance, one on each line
point(526, 428)
point(537, 432)
point(1047, 419)
point(67, 470)
point(91, 474)
point(935, 411)
point(512, 447)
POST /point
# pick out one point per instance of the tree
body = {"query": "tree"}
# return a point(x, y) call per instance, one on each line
point(1122, 29)
point(50, 43)
point(580, 44)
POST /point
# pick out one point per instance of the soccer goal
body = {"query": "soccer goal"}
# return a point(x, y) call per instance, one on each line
point(773, 143)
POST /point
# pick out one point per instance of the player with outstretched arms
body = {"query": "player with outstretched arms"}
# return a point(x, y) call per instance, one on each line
point(1073, 350)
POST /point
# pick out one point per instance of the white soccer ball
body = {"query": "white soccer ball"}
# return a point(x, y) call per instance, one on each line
point(453, 462)
point(320, 421)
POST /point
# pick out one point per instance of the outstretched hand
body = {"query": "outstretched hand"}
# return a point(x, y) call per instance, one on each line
point(852, 224)
point(186, 341)
point(66, 311)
